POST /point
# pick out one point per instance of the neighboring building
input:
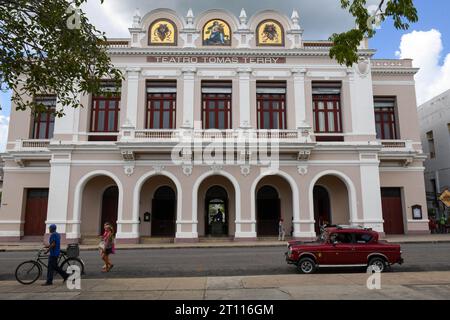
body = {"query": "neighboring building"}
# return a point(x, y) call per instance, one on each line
point(434, 117)
point(348, 143)
point(2, 164)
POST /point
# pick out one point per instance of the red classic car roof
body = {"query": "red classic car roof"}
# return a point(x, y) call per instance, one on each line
point(374, 234)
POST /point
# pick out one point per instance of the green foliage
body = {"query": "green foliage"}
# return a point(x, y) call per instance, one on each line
point(345, 48)
point(40, 54)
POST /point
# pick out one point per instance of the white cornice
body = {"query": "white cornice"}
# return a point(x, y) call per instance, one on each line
point(229, 52)
point(388, 70)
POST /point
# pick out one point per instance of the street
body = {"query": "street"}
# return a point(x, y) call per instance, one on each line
point(222, 262)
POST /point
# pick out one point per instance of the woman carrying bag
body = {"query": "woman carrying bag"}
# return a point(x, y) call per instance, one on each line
point(107, 246)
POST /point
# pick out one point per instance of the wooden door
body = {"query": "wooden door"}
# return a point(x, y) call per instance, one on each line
point(110, 205)
point(36, 212)
point(164, 212)
point(391, 200)
point(163, 218)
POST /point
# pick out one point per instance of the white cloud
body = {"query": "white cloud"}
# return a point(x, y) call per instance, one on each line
point(426, 49)
point(4, 125)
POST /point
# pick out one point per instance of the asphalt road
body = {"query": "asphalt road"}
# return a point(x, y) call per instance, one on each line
point(222, 262)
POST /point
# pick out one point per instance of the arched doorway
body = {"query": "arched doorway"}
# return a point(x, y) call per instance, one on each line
point(164, 212)
point(216, 212)
point(332, 201)
point(322, 210)
point(268, 211)
point(110, 203)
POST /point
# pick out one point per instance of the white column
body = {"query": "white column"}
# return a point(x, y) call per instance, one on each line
point(300, 98)
point(371, 193)
point(188, 96)
point(132, 95)
point(361, 97)
point(244, 97)
point(58, 197)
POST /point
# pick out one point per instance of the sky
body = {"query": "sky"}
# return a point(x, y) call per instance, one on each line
point(427, 41)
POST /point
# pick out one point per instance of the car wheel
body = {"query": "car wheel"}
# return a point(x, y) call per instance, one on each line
point(378, 264)
point(306, 266)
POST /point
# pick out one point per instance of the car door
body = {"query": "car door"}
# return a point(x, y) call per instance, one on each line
point(362, 247)
point(340, 250)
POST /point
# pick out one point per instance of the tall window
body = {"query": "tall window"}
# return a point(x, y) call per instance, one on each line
point(327, 110)
point(105, 110)
point(216, 105)
point(161, 104)
point(44, 122)
point(385, 122)
point(271, 105)
point(431, 149)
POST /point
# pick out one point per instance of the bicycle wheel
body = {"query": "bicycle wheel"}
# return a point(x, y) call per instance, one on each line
point(73, 262)
point(28, 272)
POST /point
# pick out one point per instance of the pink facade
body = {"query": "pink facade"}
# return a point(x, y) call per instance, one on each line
point(346, 143)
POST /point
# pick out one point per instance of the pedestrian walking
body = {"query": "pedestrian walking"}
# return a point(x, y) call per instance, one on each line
point(54, 248)
point(442, 223)
point(281, 231)
point(107, 246)
point(432, 225)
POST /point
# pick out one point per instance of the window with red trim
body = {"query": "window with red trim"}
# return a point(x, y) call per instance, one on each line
point(385, 120)
point(161, 105)
point(271, 105)
point(216, 105)
point(105, 110)
point(327, 113)
point(44, 122)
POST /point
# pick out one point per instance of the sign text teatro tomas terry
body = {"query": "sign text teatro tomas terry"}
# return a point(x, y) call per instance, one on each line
point(215, 59)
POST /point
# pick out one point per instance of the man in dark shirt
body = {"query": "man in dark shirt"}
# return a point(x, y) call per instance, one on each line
point(54, 248)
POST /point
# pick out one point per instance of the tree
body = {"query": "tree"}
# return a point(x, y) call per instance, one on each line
point(49, 47)
point(345, 45)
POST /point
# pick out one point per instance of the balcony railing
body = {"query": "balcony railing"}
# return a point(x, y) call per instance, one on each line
point(397, 145)
point(32, 145)
point(149, 135)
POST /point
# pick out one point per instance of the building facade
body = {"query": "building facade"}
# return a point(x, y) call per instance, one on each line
point(434, 117)
point(222, 125)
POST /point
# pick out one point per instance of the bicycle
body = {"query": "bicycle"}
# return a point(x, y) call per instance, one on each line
point(30, 271)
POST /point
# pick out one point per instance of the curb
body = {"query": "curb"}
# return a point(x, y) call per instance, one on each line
point(206, 246)
point(268, 245)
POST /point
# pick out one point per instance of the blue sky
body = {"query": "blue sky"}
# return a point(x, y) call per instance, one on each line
point(433, 14)
point(428, 48)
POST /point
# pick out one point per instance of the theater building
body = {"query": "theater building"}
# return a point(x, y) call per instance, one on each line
point(344, 141)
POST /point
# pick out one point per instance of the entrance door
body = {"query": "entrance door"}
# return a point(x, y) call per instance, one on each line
point(269, 211)
point(322, 211)
point(110, 205)
point(391, 200)
point(36, 212)
point(216, 215)
point(164, 212)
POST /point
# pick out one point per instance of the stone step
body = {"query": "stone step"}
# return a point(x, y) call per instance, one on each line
point(90, 240)
point(156, 240)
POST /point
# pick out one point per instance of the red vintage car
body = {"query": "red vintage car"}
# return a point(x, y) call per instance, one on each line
point(344, 246)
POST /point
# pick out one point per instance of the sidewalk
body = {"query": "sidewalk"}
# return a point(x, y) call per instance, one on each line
point(402, 239)
point(395, 285)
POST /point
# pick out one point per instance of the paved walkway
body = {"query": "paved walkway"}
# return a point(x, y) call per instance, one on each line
point(31, 246)
point(404, 286)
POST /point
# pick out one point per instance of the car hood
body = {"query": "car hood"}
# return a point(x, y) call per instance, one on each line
point(304, 244)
